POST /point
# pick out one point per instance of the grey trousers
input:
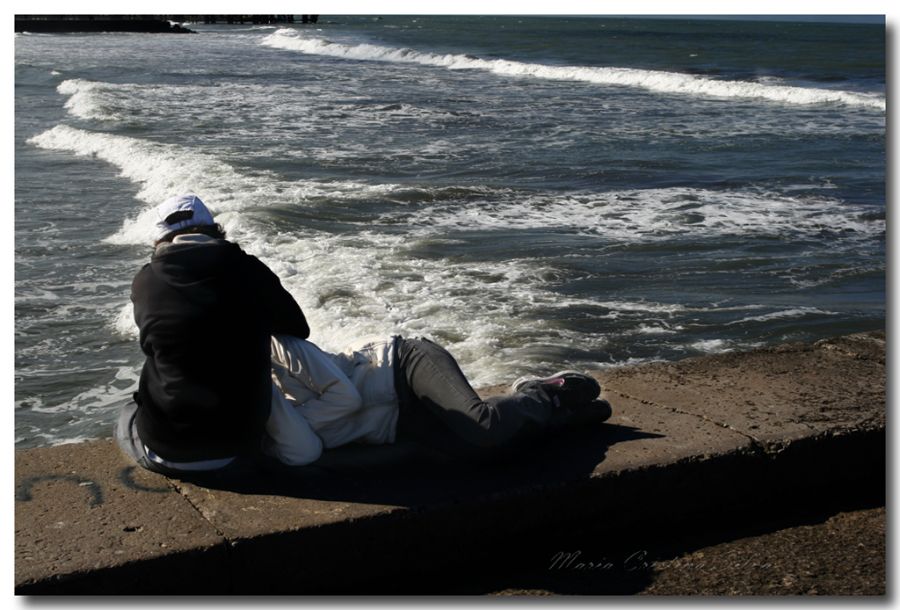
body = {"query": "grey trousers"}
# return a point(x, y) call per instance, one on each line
point(439, 408)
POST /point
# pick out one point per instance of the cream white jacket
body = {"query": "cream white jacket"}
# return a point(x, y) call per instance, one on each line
point(322, 400)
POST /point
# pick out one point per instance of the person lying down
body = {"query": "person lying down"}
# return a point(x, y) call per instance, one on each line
point(409, 390)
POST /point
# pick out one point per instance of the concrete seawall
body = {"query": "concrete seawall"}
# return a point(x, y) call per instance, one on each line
point(704, 438)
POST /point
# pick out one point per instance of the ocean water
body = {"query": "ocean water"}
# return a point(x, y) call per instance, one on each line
point(535, 193)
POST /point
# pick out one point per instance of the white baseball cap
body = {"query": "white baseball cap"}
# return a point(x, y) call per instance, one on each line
point(180, 212)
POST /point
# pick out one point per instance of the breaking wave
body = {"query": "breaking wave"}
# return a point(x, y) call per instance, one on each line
point(164, 169)
point(656, 81)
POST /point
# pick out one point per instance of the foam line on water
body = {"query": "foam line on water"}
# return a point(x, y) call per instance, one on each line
point(164, 169)
point(652, 80)
point(276, 104)
point(85, 98)
point(271, 103)
point(711, 346)
point(112, 394)
point(652, 214)
point(785, 314)
point(105, 101)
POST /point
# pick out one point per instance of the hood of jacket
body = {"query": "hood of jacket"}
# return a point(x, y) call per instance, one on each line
point(196, 265)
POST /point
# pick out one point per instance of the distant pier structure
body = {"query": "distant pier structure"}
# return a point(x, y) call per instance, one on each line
point(158, 24)
point(255, 19)
point(142, 23)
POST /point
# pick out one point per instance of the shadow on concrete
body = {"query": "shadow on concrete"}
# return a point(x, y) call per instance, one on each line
point(410, 475)
point(588, 560)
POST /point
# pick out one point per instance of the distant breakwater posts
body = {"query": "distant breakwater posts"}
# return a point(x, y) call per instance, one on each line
point(164, 24)
point(255, 19)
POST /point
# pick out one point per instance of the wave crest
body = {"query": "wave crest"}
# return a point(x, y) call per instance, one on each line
point(656, 81)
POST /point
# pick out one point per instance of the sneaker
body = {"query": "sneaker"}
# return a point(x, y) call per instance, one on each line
point(570, 389)
point(594, 412)
point(582, 417)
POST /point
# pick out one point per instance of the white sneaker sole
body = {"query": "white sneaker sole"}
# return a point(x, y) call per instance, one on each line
point(522, 380)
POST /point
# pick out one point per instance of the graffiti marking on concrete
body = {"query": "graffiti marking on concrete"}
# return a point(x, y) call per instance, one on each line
point(23, 492)
point(126, 476)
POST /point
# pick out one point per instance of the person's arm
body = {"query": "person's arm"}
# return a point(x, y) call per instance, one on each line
point(291, 440)
point(285, 315)
point(329, 395)
point(140, 294)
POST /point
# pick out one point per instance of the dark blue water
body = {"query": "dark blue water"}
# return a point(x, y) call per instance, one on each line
point(536, 193)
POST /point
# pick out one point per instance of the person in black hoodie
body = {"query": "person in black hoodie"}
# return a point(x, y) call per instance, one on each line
point(206, 311)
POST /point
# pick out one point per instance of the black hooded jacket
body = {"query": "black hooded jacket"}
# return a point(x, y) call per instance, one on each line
point(206, 311)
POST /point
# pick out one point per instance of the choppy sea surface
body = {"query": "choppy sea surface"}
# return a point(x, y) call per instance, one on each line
point(535, 193)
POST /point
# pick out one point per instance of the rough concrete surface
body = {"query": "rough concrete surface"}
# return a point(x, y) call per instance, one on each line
point(820, 553)
point(683, 440)
point(83, 509)
point(772, 395)
point(845, 555)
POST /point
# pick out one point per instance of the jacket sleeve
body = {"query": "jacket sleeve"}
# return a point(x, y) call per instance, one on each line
point(140, 295)
point(331, 397)
point(285, 315)
point(290, 438)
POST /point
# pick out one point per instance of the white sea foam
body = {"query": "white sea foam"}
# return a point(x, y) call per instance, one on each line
point(85, 99)
point(124, 324)
point(231, 104)
point(653, 214)
point(649, 329)
point(711, 346)
point(276, 105)
point(652, 80)
point(367, 285)
point(99, 398)
point(34, 294)
point(106, 101)
point(794, 312)
point(163, 169)
point(642, 306)
point(627, 362)
point(77, 440)
point(54, 437)
point(372, 281)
